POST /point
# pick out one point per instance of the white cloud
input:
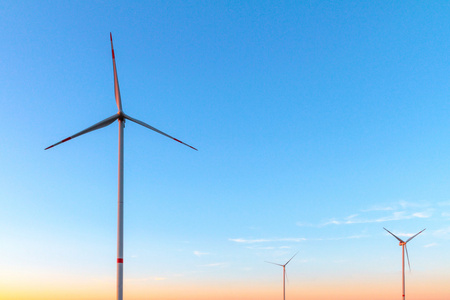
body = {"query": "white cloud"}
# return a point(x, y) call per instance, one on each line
point(424, 214)
point(431, 245)
point(378, 208)
point(402, 204)
point(198, 253)
point(215, 265)
point(260, 248)
point(245, 241)
point(404, 234)
point(401, 210)
point(442, 233)
point(395, 216)
point(267, 248)
point(250, 241)
point(303, 224)
point(342, 238)
point(406, 204)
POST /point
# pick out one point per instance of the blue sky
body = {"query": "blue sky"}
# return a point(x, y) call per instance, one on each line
point(317, 123)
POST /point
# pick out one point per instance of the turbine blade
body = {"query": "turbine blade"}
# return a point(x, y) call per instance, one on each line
point(116, 80)
point(154, 129)
point(415, 235)
point(291, 258)
point(401, 241)
point(407, 256)
point(285, 274)
point(273, 263)
point(99, 125)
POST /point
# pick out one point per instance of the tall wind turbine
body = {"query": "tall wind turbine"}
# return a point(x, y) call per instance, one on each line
point(121, 117)
point(284, 272)
point(403, 244)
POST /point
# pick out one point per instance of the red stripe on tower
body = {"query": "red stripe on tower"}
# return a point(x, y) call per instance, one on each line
point(120, 260)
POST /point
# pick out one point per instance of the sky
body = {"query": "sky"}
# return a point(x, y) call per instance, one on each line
point(317, 124)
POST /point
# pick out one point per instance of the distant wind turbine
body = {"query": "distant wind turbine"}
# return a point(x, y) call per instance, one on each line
point(120, 116)
point(284, 272)
point(403, 244)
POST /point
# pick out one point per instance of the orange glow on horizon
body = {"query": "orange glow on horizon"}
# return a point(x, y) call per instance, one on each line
point(341, 289)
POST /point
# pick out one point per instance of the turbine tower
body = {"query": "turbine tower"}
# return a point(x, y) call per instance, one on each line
point(121, 117)
point(284, 273)
point(403, 244)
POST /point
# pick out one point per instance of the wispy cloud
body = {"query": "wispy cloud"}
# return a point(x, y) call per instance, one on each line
point(198, 253)
point(431, 245)
point(408, 204)
point(247, 241)
point(303, 224)
point(395, 216)
point(261, 248)
point(443, 233)
point(402, 204)
point(403, 234)
point(351, 237)
point(250, 241)
point(400, 210)
point(216, 265)
point(253, 241)
point(379, 208)
point(423, 214)
point(268, 247)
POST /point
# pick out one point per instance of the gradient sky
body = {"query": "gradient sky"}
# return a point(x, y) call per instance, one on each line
point(318, 123)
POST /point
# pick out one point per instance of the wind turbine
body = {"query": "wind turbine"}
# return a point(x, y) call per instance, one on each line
point(121, 117)
point(284, 272)
point(403, 244)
